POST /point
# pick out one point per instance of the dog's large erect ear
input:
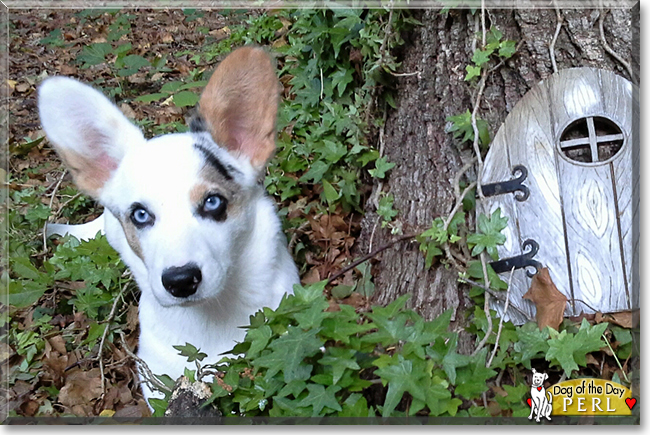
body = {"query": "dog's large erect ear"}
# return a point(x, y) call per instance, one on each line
point(240, 104)
point(88, 131)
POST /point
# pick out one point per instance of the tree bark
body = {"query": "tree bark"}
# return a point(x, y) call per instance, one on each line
point(427, 157)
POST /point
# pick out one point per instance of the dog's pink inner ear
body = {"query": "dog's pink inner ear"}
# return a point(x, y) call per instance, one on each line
point(240, 104)
point(90, 172)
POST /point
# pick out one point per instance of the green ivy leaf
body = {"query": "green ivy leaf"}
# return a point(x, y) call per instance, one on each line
point(90, 300)
point(320, 397)
point(259, 338)
point(472, 380)
point(190, 352)
point(343, 326)
point(330, 193)
point(185, 98)
point(288, 353)
point(382, 165)
point(561, 349)
point(444, 353)
point(481, 57)
point(507, 49)
point(294, 388)
point(386, 210)
point(532, 343)
point(341, 78)
point(472, 72)
point(355, 406)
point(590, 339)
point(339, 359)
point(312, 317)
point(490, 234)
point(94, 54)
point(150, 98)
point(24, 293)
point(316, 172)
point(402, 376)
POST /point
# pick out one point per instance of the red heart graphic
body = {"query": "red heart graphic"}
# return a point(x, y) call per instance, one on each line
point(630, 403)
point(530, 402)
point(539, 388)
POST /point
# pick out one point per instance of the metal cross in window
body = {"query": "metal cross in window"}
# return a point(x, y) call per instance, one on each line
point(592, 141)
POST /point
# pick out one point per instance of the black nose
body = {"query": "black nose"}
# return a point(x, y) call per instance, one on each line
point(182, 281)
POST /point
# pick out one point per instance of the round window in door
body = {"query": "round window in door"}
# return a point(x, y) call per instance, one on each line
point(592, 140)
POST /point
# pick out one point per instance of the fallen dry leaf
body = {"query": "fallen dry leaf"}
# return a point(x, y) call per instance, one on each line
point(550, 303)
point(58, 343)
point(127, 111)
point(81, 387)
point(22, 87)
point(623, 318)
point(311, 277)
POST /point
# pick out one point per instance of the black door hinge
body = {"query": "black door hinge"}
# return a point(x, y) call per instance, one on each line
point(524, 260)
point(513, 185)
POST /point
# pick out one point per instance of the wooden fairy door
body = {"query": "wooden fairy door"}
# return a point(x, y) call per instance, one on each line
point(571, 146)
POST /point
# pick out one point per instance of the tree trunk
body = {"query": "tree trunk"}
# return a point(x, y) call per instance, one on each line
point(427, 157)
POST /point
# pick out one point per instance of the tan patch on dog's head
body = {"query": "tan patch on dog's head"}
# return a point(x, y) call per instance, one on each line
point(131, 234)
point(212, 182)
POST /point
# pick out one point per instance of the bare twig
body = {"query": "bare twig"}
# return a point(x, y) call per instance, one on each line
point(380, 185)
point(56, 188)
point(109, 319)
point(474, 40)
point(452, 259)
point(147, 376)
point(459, 174)
point(65, 204)
point(394, 74)
point(387, 33)
point(583, 302)
point(609, 49)
point(370, 255)
point(477, 149)
point(459, 202)
point(494, 294)
point(497, 381)
point(505, 310)
point(616, 358)
point(483, 22)
point(486, 307)
point(296, 232)
point(372, 234)
point(551, 47)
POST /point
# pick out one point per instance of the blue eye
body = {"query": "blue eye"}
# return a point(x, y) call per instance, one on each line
point(212, 203)
point(141, 217)
point(214, 207)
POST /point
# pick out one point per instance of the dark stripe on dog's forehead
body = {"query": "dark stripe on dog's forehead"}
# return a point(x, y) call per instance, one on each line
point(212, 159)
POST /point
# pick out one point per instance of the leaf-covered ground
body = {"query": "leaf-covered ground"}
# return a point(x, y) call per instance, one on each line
point(71, 321)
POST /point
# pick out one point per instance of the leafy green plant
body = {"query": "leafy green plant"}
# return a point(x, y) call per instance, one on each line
point(494, 45)
point(489, 235)
point(386, 210)
point(461, 127)
point(307, 359)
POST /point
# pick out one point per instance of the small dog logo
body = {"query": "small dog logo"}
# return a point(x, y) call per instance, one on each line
point(540, 400)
